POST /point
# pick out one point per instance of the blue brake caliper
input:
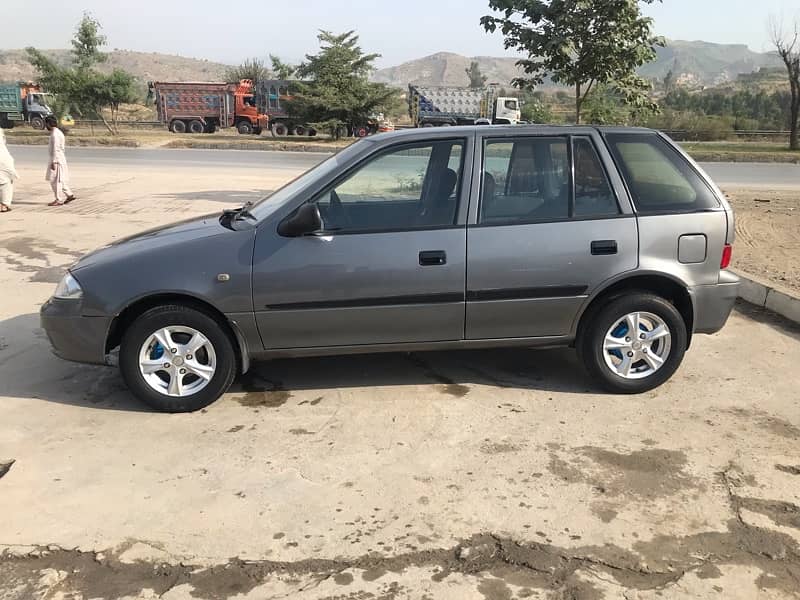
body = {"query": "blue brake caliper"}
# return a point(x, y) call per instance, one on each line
point(157, 352)
point(620, 332)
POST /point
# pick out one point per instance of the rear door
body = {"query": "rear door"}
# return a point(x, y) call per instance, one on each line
point(548, 229)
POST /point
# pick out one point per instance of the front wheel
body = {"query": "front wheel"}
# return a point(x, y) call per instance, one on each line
point(37, 123)
point(244, 128)
point(177, 359)
point(634, 343)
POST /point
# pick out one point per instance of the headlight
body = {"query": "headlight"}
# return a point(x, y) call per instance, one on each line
point(68, 288)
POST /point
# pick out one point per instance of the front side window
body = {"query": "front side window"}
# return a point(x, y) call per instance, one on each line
point(411, 187)
point(511, 104)
point(659, 179)
point(525, 180)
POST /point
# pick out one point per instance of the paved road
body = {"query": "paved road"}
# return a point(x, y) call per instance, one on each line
point(725, 174)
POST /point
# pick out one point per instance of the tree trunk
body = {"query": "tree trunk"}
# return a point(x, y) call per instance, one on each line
point(794, 112)
point(578, 103)
point(105, 122)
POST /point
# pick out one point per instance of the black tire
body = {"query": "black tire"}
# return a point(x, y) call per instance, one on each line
point(280, 129)
point(312, 132)
point(180, 316)
point(196, 127)
point(178, 126)
point(211, 127)
point(590, 343)
point(299, 131)
point(37, 123)
point(245, 128)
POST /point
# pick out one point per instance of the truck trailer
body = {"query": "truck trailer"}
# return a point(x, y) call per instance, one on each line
point(23, 103)
point(203, 107)
point(450, 106)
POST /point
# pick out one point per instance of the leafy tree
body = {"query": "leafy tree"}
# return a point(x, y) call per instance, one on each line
point(788, 47)
point(280, 69)
point(253, 69)
point(477, 80)
point(79, 85)
point(336, 94)
point(580, 43)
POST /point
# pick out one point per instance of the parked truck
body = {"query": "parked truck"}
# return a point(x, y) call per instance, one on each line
point(204, 107)
point(274, 96)
point(449, 106)
point(23, 103)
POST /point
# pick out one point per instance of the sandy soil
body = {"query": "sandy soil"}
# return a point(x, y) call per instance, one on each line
point(768, 234)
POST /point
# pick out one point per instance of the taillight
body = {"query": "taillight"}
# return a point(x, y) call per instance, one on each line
point(727, 254)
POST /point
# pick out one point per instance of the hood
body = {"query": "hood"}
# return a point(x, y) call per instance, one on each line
point(153, 240)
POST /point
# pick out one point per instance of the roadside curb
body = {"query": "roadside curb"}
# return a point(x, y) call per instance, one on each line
point(768, 295)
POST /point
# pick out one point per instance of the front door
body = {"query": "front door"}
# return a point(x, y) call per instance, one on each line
point(546, 236)
point(389, 266)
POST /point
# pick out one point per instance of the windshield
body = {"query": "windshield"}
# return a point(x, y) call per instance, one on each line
point(265, 207)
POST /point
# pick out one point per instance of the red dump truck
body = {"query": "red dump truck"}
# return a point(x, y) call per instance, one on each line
point(203, 107)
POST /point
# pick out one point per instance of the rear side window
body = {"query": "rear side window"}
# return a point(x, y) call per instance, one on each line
point(659, 179)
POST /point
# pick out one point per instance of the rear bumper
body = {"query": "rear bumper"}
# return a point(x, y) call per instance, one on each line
point(73, 336)
point(713, 303)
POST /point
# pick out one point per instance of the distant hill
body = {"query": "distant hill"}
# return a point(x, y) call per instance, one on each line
point(694, 64)
point(145, 66)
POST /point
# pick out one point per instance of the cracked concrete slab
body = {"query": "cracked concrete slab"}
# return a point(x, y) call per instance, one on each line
point(488, 475)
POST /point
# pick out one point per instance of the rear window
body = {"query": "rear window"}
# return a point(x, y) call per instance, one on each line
point(659, 178)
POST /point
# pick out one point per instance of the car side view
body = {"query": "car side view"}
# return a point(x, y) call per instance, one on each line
point(609, 240)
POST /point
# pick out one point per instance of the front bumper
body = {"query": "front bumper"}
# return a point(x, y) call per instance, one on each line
point(73, 336)
point(713, 303)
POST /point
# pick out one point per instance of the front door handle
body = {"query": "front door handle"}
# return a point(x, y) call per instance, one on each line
point(604, 247)
point(433, 258)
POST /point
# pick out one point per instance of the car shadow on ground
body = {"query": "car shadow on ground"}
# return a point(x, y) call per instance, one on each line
point(237, 197)
point(29, 369)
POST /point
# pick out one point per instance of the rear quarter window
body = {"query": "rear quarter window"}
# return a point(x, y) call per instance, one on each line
point(659, 179)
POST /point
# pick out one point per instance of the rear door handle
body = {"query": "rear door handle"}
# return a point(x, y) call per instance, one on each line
point(433, 258)
point(604, 247)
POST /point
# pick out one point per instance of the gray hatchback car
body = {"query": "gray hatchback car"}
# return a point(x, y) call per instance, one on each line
point(610, 240)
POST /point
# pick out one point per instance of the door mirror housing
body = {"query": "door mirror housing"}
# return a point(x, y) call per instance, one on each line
point(303, 221)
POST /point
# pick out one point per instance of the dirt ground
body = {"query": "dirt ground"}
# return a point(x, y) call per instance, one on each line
point(768, 234)
point(486, 475)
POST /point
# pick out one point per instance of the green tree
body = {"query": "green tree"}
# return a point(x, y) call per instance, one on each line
point(253, 69)
point(477, 80)
point(282, 70)
point(336, 94)
point(669, 81)
point(580, 43)
point(79, 86)
point(788, 47)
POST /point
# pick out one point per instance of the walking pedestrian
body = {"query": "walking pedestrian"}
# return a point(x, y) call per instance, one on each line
point(57, 170)
point(7, 175)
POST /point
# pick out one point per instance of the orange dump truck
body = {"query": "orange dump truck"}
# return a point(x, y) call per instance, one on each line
point(203, 107)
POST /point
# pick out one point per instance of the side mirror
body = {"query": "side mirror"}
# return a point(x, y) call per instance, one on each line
point(305, 220)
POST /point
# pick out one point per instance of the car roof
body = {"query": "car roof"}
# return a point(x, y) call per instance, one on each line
point(412, 134)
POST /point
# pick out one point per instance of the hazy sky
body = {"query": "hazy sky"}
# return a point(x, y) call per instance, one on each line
point(401, 30)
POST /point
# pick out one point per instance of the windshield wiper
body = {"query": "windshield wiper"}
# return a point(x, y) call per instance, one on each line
point(239, 214)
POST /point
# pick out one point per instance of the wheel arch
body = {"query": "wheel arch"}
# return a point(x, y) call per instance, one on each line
point(138, 307)
point(663, 285)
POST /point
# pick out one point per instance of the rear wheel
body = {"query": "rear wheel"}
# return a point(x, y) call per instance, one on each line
point(177, 359)
point(245, 128)
point(178, 126)
point(299, 130)
point(312, 132)
point(196, 127)
point(634, 343)
point(280, 129)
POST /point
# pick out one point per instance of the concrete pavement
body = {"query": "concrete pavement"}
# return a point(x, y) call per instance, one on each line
point(488, 475)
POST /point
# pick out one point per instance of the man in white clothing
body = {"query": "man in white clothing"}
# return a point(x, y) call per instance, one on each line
point(57, 170)
point(7, 175)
